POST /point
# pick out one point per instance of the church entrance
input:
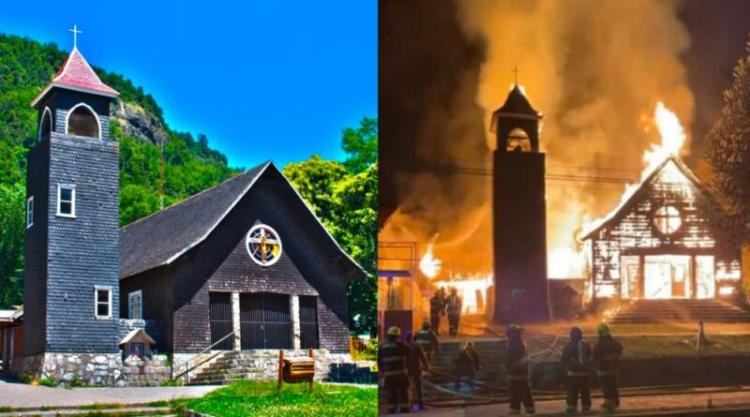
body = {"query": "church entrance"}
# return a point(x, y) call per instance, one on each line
point(265, 321)
point(667, 276)
point(220, 317)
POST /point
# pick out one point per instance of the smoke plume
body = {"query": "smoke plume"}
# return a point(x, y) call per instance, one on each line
point(594, 68)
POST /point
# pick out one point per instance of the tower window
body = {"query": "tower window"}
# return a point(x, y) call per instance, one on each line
point(135, 305)
point(518, 140)
point(66, 200)
point(30, 212)
point(82, 121)
point(45, 125)
point(103, 302)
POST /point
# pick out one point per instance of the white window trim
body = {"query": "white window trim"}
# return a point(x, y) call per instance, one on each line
point(72, 214)
point(41, 122)
point(96, 116)
point(139, 293)
point(98, 288)
point(29, 212)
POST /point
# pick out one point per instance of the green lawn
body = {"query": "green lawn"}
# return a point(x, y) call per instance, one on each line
point(253, 398)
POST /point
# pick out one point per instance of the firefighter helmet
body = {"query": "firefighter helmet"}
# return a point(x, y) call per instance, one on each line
point(394, 331)
point(603, 329)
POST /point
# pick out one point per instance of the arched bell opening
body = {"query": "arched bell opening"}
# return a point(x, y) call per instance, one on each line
point(83, 121)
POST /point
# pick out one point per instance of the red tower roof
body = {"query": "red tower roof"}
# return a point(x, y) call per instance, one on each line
point(76, 74)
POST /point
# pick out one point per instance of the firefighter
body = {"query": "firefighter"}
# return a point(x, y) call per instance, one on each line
point(437, 309)
point(427, 339)
point(576, 360)
point(607, 352)
point(453, 307)
point(517, 367)
point(417, 365)
point(467, 363)
point(394, 359)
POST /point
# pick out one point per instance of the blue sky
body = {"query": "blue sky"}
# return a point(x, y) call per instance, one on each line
point(263, 79)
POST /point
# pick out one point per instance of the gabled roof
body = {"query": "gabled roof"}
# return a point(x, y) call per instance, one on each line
point(635, 192)
point(76, 74)
point(139, 335)
point(161, 238)
point(517, 103)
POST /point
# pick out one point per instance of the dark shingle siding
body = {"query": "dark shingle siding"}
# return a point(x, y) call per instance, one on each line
point(308, 267)
point(35, 271)
point(83, 252)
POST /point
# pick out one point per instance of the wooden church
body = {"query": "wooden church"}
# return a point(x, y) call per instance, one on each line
point(244, 266)
point(658, 243)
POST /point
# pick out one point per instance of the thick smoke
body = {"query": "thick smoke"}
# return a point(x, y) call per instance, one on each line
point(595, 69)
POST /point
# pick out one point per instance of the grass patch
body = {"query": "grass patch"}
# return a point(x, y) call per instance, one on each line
point(259, 398)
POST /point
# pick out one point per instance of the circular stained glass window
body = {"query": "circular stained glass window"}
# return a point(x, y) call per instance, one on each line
point(667, 219)
point(263, 245)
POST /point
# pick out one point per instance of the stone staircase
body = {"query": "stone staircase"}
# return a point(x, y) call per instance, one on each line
point(655, 311)
point(491, 358)
point(230, 367)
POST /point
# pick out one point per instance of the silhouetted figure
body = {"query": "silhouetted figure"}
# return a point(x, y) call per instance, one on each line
point(417, 365)
point(576, 360)
point(394, 360)
point(467, 363)
point(453, 308)
point(607, 352)
point(427, 339)
point(517, 366)
point(437, 309)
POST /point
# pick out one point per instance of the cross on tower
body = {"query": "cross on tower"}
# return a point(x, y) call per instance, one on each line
point(515, 74)
point(75, 35)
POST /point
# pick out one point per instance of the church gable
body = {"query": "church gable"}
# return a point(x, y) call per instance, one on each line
point(667, 208)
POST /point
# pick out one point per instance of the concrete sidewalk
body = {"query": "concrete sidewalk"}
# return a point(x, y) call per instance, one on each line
point(631, 405)
point(17, 395)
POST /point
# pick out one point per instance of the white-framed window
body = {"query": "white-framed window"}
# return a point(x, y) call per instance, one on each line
point(66, 200)
point(135, 305)
point(30, 212)
point(102, 302)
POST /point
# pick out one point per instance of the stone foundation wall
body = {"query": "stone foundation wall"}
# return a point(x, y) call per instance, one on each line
point(71, 368)
point(263, 364)
point(93, 369)
point(266, 362)
point(146, 371)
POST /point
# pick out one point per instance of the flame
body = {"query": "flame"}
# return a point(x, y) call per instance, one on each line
point(565, 261)
point(429, 264)
point(672, 138)
point(472, 290)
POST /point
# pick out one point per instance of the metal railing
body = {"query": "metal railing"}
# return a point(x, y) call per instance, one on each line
point(188, 368)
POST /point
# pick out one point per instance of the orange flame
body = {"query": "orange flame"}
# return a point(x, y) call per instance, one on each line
point(429, 264)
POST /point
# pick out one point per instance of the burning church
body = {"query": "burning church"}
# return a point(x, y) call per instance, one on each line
point(658, 243)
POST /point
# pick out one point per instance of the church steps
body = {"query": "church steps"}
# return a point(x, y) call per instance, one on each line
point(652, 311)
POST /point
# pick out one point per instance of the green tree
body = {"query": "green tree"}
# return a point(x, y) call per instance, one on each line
point(12, 227)
point(728, 153)
point(346, 201)
point(356, 216)
point(361, 145)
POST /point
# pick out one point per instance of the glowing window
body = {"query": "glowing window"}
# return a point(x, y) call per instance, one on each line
point(667, 219)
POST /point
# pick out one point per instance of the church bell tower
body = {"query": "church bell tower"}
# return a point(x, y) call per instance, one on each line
point(519, 214)
point(72, 224)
